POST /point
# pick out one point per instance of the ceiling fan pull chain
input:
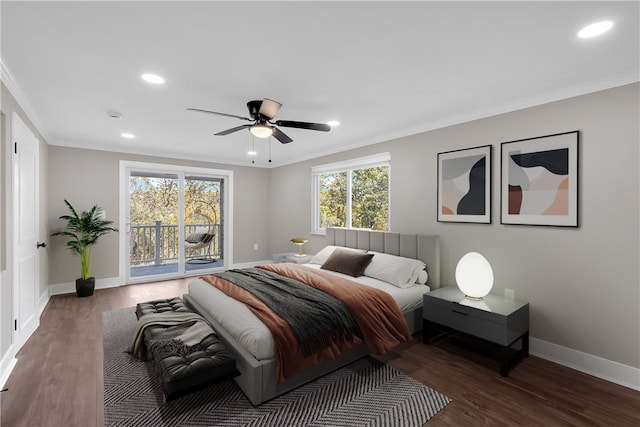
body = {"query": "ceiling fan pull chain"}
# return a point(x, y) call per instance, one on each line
point(270, 139)
point(253, 151)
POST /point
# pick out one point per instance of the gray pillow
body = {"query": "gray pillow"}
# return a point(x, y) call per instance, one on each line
point(347, 262)
point(195, 237)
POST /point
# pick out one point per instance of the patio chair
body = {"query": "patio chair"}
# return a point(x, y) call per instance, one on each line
point(201, 238)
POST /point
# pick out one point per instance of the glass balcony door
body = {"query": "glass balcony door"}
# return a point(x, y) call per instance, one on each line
point(203, 230)
point(174, 224)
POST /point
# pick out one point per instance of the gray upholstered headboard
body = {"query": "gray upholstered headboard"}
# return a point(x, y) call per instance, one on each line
point(417, 246)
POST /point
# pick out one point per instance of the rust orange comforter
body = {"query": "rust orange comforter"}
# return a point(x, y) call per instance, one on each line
point(378, 316)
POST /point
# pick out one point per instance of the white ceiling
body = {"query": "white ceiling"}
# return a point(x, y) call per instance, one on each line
point(384, 69)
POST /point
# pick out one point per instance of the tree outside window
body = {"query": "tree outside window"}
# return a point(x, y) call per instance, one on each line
point(352, 194)
point(370, 198)
point(333, 199)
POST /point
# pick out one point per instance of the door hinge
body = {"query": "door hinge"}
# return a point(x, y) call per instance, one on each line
point(15, 147)
point(15, 324)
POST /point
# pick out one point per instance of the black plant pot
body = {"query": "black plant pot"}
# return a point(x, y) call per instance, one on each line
point(85, 287)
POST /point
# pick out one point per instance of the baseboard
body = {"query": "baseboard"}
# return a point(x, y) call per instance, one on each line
point(43, 300)
point(7, 364)
point(113, 282)
point(614, 372)
point(70, 287)
point(9, 360)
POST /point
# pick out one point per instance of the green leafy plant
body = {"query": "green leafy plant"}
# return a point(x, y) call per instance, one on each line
point(83, 231)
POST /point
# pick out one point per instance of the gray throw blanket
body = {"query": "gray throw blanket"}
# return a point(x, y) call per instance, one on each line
point(316, 318)
point(191, 336)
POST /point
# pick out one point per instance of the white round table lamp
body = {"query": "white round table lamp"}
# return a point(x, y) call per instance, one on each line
point(474, 276)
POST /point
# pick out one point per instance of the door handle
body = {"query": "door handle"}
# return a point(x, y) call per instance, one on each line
point(41, 245)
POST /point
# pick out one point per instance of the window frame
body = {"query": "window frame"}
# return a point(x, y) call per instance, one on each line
point(128, 166)
point(376, 160)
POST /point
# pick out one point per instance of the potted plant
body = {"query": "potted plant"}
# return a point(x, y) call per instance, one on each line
point(83, 232)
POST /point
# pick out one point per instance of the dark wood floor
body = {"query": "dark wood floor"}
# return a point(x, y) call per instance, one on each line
point(58, 378)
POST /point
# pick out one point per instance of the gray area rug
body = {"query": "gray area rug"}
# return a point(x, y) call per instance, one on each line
point(364, 393)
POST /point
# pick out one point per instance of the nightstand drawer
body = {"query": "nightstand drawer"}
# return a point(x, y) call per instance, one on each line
point(459, 318)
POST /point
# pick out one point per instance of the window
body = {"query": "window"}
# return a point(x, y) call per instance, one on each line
point(352, 194)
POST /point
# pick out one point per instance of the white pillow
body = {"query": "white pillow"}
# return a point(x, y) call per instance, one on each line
point(322, 256)
point(423, 277)
point(399, 271)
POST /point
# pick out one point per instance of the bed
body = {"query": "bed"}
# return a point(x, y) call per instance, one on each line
point(255, 359)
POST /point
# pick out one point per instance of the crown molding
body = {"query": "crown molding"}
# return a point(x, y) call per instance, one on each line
point(6, 76)
point(622, 79)
point(630, 77)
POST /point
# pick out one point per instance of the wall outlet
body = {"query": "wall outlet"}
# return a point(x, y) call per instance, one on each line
point(509, 294)
point(255, 247)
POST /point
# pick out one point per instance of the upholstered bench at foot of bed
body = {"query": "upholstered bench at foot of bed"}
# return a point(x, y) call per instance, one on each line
point(161, 306)
point(205, 364)
point(184, 372)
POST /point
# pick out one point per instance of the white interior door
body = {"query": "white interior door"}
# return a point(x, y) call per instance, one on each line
point(26, 273)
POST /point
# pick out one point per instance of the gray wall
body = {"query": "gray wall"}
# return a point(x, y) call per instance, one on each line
point(88, 177)
point(582, 283)
point(9, 106)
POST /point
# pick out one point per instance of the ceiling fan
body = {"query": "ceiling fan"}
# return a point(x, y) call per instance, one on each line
point(262, 114)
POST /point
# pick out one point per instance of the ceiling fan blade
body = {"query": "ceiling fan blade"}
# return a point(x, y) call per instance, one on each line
point(220, 114)
point(304, 125)
point(280, 136)
point(235, 129)
point(269, 108)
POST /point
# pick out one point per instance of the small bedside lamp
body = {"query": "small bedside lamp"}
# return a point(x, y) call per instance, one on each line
point(300, 241)
point(474, 276)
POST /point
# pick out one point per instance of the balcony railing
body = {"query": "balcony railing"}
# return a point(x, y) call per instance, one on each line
point(160, 243)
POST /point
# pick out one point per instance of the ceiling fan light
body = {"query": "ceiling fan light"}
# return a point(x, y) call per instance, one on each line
point(261, 130)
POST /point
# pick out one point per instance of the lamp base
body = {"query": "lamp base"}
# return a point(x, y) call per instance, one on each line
point(299, 255)
point(473, 298)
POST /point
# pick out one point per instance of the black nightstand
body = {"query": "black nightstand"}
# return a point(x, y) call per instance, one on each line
point(494, 321)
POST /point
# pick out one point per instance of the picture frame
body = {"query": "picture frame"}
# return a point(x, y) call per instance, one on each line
point(464, 185)
point(539, 180)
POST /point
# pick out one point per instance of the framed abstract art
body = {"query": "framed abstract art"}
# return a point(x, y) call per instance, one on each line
point(539, 180)
point(464, 185)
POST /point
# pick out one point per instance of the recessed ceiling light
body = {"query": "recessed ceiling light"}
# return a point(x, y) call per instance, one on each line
point(153, 78)
point(595, 29)
point(127, 135)
point(252, 153)
point(333, 123)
